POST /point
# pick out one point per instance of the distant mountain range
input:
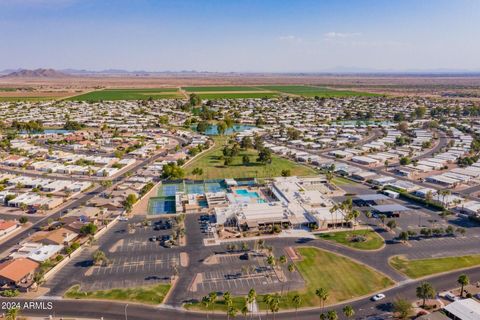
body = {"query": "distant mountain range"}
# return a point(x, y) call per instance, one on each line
point(37, 73)
point(52, 73)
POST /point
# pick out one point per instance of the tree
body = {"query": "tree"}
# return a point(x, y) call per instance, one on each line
point(274, 304)
point(195, 100)
point(404, 236)
point(265, 156)
point(221, 127)
point(12, 313)
point(23, 220)
point(202, 126)
point(348, 311)
point(99, 258)
point(425, 291)
point(332, 315)
point(322, 294)
point(206, 303)
point(463, 280)
point(297, 302)
point(402, 308)
point(245, 159)
point(286, 173)
point(197, 171)
point(405, 161)
point(271, 260)
point(391, 224)
point(246, 143)
point(212, 296)
point(88, 229)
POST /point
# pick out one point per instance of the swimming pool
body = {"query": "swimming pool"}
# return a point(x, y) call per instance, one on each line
point(246, 193)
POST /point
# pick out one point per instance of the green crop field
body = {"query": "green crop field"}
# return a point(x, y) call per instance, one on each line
point(238, 95)
point(128, 94)
point(372, 241)
point(153, 294)
point(342, 277)
point(425, 267)
point(220, 89)
point(312, 91)
point(213, 167)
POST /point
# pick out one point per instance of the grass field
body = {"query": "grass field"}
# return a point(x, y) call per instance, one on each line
point(342, 277)
point(220, 88)
point(373, 240)
point(425, 267)
point(213, 167)
point(341, 181)
point(149, 294)
point(312, 91)
point(128, 94)
point(237, 95)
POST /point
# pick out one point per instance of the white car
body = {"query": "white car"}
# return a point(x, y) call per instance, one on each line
point(378, 297)
point(122, 218)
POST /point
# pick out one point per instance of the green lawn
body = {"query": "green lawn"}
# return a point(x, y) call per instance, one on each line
point(373, 240)
point(426, 267)
point(341, 181)
point(342, 277)
point(149, 294)
point(220, 88)
point(238, 95)
point(128, 94)
point(312, 91)
point(213, 167)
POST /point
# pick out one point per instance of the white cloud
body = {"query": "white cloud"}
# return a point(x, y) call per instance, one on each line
point(341, 35)
point(290, 38)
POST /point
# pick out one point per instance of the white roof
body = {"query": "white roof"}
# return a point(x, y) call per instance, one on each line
point(467, 309)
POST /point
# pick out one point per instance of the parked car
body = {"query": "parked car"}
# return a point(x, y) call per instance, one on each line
point(450, 296)
point(153, 239)
point(378, 297)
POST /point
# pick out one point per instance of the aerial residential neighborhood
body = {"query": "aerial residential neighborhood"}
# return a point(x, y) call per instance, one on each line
point(290, 160)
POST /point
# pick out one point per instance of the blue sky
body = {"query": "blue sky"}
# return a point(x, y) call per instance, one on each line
point(241, 35)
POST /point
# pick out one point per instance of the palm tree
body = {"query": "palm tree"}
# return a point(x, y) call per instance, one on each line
point(206, 304)
point(332, 315)
point(231, 312)
point(267, 299)
point(333, 211)
point(282, 259)
point(251, 297)
point(323, 316)
point(12, 314)
point(348, 311)
point(274, 304)
point(322, 294)
point(271, 260)
point(297, 302)
point(425, 291)
point(291, 267)
point(212, 296)
point(463, 280)
point(245, 309)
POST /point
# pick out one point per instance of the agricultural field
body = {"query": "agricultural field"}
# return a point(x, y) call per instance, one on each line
point(238, 95)
point(128, 94)
point(425, 267)
point(213, 167)
point(313, 91)
point(221, 89)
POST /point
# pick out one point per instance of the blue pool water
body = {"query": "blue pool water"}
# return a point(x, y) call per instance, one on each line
point(246, 193)
point(213, 131)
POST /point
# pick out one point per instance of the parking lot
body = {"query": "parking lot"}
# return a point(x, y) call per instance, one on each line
point(134, 259)
point(236, 274)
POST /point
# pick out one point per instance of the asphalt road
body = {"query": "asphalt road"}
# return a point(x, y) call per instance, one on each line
point(364, 307)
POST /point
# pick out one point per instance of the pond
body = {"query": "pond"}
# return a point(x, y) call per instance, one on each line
point(213, 129)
